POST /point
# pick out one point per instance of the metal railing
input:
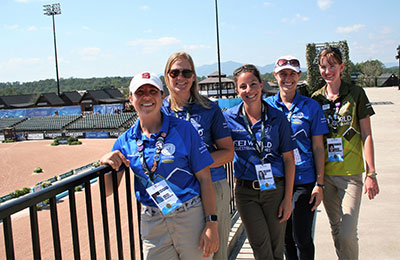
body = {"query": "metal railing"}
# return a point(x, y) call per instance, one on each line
point(68, 186)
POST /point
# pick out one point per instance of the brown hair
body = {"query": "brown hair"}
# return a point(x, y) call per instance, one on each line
point(247, 68)
point(332, 54)
point(194, 89)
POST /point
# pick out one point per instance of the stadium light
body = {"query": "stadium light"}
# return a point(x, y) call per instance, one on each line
point(219, 59)
point(398, 57)
point(52, 10)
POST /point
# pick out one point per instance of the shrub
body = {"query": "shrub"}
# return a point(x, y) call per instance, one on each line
point(38, 170)
point(19, 193)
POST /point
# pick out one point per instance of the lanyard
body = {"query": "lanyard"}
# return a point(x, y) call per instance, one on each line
point(188, 109)
point(260, 150)
point(156, 157)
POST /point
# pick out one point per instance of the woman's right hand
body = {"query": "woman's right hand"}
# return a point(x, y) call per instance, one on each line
point(114, 159)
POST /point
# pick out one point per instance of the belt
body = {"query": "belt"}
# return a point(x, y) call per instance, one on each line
point(254, 185)
point(152, 211)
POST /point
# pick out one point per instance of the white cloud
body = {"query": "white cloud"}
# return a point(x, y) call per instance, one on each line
point(267, 3)
point(11, 27)
point(32, 28)
point(84, 27)
point(195, 47)
point(387, 30)
point(349, 29)
point(324, 4)
point(148, 31)
point(151, 46)
point(296, 19)
point(89, 53)
point(144, 7)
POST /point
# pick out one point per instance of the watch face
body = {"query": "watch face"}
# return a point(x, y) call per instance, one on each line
point(214, 218)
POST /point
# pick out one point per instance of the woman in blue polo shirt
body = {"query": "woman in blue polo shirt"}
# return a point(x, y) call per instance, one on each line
point(185, 102)
point(263, 143)
point(308, 126)
point(172, 178)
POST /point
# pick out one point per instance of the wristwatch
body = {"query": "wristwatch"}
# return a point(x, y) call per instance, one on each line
point(372, 174)
point(211, 218)
point(320, 185)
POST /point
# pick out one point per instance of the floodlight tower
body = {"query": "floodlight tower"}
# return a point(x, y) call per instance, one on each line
point(219, 58)
point(398, 57)
point(52, 10)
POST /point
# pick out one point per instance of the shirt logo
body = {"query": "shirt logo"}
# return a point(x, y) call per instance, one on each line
point(168, 150)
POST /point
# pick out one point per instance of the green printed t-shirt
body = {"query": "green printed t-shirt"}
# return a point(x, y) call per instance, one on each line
point(353, 105)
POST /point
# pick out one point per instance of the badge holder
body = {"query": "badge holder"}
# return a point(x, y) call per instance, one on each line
point(164, 197)
point(335, 149)
point(265, 177)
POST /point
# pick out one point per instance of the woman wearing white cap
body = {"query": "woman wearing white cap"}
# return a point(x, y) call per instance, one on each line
point(185, 102)
point(308, 125)
point(172, 178)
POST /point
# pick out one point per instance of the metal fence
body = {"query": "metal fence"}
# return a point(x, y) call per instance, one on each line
point(68, 185)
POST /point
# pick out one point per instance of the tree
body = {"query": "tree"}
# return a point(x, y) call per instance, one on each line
point(370, 70)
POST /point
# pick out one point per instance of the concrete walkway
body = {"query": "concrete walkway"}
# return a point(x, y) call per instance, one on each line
point(379, 222)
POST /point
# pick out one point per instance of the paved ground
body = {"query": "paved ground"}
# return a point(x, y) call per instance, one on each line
point(379, 223)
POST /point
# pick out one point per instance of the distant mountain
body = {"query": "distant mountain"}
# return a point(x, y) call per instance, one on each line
point(391, 64)
point(229, 66)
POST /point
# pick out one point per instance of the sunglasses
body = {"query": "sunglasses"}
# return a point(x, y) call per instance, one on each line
point(185, 73)
point(245, 68)
point(283, 62)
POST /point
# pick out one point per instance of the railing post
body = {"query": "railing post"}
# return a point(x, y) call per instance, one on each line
point(130, 214)
point(104, 217)
point(8, 238)
point(117, 215)
point(55, 228)
point(89, 214)
point(74, 223)
point(35, 232)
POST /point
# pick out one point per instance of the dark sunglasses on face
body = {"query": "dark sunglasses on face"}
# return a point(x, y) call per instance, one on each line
point(283, 62)
point(185, 73)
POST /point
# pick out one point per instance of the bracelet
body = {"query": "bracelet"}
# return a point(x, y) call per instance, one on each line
point(372, 174)
point(320, 185)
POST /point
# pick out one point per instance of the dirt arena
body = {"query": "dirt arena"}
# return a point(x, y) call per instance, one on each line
point(18, 161)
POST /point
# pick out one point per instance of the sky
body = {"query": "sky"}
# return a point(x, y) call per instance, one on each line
point(104, 38)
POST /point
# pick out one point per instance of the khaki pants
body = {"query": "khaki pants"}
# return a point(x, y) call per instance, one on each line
point(175, 236)
point(259, 213)
point(342, 199)
point(222, 196)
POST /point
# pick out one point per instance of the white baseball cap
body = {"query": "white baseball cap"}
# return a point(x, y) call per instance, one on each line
point(145, 78)
point(287, 62)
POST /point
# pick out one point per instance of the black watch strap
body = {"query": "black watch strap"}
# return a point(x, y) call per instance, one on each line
point(211, 218)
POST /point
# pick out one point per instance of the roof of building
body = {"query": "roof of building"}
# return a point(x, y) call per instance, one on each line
point(19, 101)
point(49, 99)
point(99, 96)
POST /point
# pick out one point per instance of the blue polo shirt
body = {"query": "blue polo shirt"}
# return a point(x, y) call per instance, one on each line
point(307, 120)
point(278, 140)
point(184, 154)
point(209, 123)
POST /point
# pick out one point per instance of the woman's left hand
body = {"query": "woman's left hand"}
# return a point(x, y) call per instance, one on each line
point(371, 187)
point(317, 196)
point(285, 210)
point(209, 241)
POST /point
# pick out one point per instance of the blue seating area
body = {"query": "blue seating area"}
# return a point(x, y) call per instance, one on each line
point(103, 121)
point(10, 122)
point(46, 123)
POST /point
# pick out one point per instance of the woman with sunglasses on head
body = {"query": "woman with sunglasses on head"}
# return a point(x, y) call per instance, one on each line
point(185, 102)
point(263, 142)
point(172, 178)
point(308, 126)
point(348, 112)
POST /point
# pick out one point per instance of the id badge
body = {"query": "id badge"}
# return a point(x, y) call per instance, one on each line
point(335, 149)
point(265, 177)
point(297, 157)
point(164, 197)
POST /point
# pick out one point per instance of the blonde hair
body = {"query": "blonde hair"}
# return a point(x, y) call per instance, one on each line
point(194, 89)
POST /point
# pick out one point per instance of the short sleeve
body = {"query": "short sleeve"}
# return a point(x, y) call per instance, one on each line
point(364, 107)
